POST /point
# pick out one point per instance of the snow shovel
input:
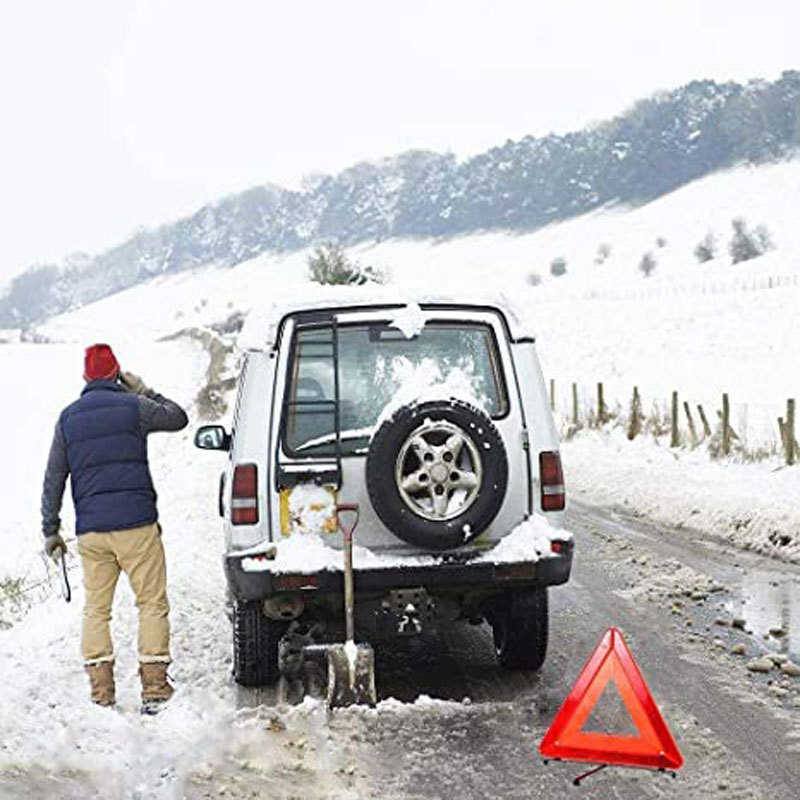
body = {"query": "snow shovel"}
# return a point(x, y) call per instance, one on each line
point(351, 667)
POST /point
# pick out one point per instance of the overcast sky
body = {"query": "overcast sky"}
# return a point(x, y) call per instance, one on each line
point(121, 114)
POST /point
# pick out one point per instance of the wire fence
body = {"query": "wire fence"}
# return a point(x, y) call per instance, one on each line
point(747, 430)
point(655, 289)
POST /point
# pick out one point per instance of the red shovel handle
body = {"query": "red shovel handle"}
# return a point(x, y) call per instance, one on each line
point(345, 508)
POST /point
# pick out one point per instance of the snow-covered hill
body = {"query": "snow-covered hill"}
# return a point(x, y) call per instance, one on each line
point(660, 144)
point(699, 328)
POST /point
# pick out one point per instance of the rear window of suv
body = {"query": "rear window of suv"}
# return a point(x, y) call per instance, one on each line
point(377, 366)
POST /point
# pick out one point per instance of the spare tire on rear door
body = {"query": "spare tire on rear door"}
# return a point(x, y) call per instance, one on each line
point(437, 473)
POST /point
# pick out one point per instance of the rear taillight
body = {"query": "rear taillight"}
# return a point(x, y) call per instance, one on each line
point(552, 480)
point(244, 497)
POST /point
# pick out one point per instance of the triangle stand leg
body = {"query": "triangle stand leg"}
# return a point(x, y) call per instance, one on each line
point(577, 781)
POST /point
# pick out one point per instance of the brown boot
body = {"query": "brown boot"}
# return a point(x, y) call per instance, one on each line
point(156, 690)
point(101, 681)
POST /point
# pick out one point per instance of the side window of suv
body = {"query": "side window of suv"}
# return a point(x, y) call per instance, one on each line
point(310, 408)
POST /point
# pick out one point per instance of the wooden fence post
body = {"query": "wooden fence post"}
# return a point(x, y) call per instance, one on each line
point(635, 427)
point(692, 429)
point(704, 420)
point(601, 406)
point(552, 394)
point(726, 424)
point(675, 436)
point(575, 404)
point(790, 440)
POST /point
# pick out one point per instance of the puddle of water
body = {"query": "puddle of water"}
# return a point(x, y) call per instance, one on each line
point(769, 603)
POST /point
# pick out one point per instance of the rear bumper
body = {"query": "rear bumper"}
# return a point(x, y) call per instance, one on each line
point(551, 571)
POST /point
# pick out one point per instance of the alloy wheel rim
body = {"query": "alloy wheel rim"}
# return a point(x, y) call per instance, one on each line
point(438, 471)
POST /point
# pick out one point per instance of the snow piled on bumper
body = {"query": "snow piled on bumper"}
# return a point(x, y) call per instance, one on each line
point(308, 553)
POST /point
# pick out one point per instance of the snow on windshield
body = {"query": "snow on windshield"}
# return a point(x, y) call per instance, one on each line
point(403, 381)
point(380, 370)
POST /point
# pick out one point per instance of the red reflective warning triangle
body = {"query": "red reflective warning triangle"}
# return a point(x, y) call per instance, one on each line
point(654, 747)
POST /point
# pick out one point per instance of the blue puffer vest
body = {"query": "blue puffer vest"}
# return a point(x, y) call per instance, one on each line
point(107, 457)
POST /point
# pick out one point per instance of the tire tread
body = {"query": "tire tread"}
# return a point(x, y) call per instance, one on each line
point(526, 618)
point(255, 645)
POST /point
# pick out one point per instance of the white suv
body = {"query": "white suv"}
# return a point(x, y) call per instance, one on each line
point(433, 418)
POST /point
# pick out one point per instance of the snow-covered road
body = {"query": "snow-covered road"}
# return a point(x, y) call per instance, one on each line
point(477, 740)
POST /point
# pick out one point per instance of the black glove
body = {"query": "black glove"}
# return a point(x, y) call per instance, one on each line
point(55, 546)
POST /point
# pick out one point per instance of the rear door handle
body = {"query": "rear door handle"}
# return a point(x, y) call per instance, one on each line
point(221, 498)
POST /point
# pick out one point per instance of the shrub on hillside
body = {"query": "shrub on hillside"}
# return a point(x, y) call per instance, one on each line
point(661, 241)
point(764, 238)
point(603, 253)
point(329, 265)
point(534, 279)
point(558, 267)
point(706, 248)
point(746, 244)
point(647, 265)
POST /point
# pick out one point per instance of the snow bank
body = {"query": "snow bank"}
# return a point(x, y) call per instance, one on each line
point(46, 717)
point(752, 506)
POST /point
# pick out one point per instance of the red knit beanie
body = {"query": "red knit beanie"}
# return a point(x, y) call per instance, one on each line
point(100, 363)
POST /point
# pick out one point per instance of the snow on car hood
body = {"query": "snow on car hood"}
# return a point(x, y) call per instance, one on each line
point(261, 324)
point(309, 553)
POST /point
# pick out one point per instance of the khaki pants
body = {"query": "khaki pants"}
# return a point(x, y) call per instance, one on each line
point(139, 553)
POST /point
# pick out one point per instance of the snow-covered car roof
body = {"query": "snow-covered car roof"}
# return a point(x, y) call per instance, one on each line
point(262, 325)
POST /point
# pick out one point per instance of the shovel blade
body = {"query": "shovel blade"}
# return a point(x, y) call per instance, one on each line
point(351, 676)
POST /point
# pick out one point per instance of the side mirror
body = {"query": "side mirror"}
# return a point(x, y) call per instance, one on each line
point(212, 437)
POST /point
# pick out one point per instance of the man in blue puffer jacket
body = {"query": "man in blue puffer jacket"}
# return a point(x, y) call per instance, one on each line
point(100, 442)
